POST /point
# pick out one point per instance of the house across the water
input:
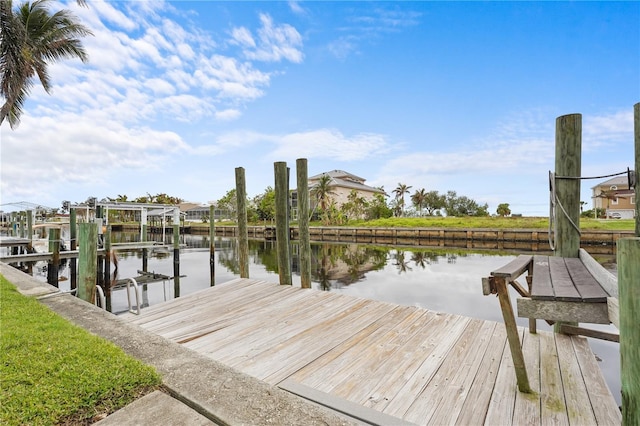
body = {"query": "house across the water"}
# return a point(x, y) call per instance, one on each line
point(615, 197)
point(341, 184)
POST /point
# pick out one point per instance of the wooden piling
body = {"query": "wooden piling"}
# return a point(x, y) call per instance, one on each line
point(87, 260)
point(14, 226)
point(176, 252)
point(106, 282)
point(243, 238)
point(303, 222)
point(567, 186)
point(30, 228)
point(212, 245)
point(54, 249)
point(23, 230)
point(282, 221)
point(73, 244)
point(143, 238)
point(100, 259)
point(636, 127)
point(629, 299)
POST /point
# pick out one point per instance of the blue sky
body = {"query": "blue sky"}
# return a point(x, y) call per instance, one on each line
point(438, 95)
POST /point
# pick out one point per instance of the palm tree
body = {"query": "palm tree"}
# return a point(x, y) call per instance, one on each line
point(32, 38)
point(400, 191)
point(418, 199)
point(322, 192)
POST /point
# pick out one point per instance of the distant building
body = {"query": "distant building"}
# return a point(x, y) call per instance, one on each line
point(341, 184)
point(615, 197)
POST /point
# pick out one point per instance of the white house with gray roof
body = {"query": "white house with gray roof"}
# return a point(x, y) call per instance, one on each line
point(342, 183)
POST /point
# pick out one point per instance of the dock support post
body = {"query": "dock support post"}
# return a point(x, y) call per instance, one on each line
point(73, 244)
point(243, 239)
point(567, 185)
point(100, 260)
point(212, 245)
point(23, 230)
point(282, 221)
point(87, 261)
point(176, 252)
point(636, 127)
point(106, 282)
point(30, 228)
point(629, 298)
point(54, 248)
point(512, 335)
point(568, 164)
point(12, 231)
point(144, 237)
point(303, 222)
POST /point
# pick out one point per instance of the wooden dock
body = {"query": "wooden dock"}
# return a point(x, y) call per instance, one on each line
point(410, 363)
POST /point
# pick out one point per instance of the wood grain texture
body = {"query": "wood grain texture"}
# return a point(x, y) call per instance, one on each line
point(421, 366)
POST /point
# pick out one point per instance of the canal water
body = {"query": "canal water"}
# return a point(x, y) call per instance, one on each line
point(445, 280)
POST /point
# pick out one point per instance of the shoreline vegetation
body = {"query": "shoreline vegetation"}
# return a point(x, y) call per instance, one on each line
point(460, 222)
point(53, 372)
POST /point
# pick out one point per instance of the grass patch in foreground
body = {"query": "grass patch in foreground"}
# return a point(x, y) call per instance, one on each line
point(53, 372)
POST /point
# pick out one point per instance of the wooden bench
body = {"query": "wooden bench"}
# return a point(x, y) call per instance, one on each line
point(558, 290)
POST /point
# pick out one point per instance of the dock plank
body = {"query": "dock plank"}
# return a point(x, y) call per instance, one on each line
point(542, 288)
point(587, 286)
point(579, 408)
point(448, 381)
point(279, 362)
point(364, 351)
point(563, 285)
point(474, 409)
point(450, 405)
point(553, 407)
point(283, 322)
point(399, 405)
point(527, 406)
point(502, 401)
point(604, 405)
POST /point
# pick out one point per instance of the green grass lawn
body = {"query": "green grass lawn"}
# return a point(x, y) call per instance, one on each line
point(53, 372)
point(470, 222)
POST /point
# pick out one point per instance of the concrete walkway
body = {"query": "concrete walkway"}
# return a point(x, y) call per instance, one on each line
point(201, 390)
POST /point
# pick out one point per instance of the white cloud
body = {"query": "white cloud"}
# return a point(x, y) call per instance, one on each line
point(69, 148)
point(607, 129)
point(330, 144)
point(228, 114)
point(297, 8)
point(275, 42)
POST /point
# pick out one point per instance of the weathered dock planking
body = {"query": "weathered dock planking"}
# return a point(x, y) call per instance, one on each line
point(410, 363)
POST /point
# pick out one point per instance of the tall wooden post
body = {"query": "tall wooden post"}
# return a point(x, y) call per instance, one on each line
point(100, 260)
point(568, 164)
point(176, 252)
point(303, 222)
point(282, 222)
point(87, 260)
point(144, 237)
point(30, 227)
point(243, 238)
point(629, 299)
point(23, 230)
point(73, 244)
point(54, 248)
point(12, 231)
point(636, 127)
point(106, 282)
point(212, 245)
